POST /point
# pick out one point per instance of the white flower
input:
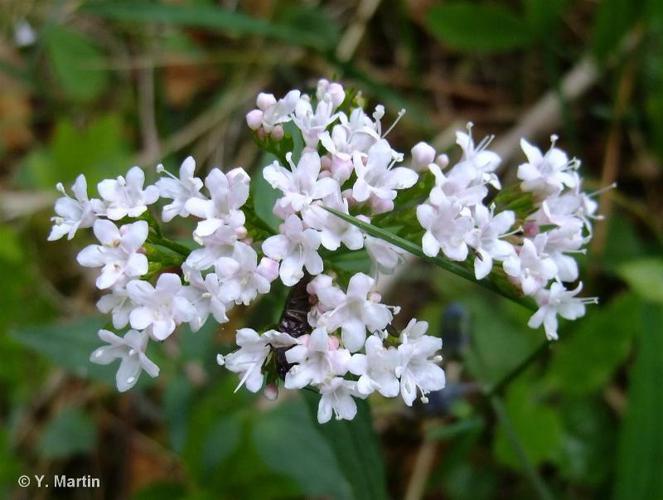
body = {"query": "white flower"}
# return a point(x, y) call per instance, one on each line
point(336, 397)
point(130, 350)
point(228, 193)
point(272, 113)
point(313, 123)
point(327, 296)
point(546, 174)
point(457, 186)
point(356, 312)
point(485, 238)
point(384, 256)
point(251, 355)
point(295, 248)
point(117, 255)
point(376, 368)
point(333, 229)
point(418, 358)
point(318, 359)
point(557, 301)
point(531, 266)
point(119, 304)
point(447, 225)
point(216, 246)
point(241, 276)
point(376, 178)
point(205, 296)
point(126, 196)
point(161, 307)
point(179, 190)
point(74, 213)
point(483, 161)
point(300, 184)
point(423, 155)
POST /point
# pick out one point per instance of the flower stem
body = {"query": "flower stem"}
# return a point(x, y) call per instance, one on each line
point(516, 371)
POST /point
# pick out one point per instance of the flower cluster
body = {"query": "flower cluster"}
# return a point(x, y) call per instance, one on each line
point(331, 157)
point(553, 224)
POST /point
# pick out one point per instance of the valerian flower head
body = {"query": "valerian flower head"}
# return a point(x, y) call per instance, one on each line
point(130, 350)
point(546, 174)
point(118, 253)
point(253, 350)
point(228, 193)
point(296, 248)
point(376, 176)
point(531, 267)
point(74, 213)
point(318, 358)
point(300, 184)
point(417, 367)
point(180, 190)
point(161, 307)
point(337, 399)
point(377, 368)
point(558, 301)
point(486, 238)
point(125, 196)
point(357, 311)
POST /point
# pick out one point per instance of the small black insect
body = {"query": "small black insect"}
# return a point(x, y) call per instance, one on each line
point(294, 321)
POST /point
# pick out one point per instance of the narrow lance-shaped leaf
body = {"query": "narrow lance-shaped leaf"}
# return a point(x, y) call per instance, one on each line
point(445, 264)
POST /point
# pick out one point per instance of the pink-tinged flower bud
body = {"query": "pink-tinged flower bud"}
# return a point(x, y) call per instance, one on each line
point(375, 297)
point(333, 343)
point(254, 119)
point(241, 232)
point(341, 169)
point(264, 100)
point(268, 268)
point(335, 90)
point(277, 133)
point(261, 133)
point(325, 162)
point(364, 218)
point(530, 229)
point(422, 154)
point(442, 160)
point(381, 206)
point(271, 392)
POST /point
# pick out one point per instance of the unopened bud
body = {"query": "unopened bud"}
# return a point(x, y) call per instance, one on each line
point(265, 100)
point(422, 154)
point(271, 392)
point(277, 133)
point(254, 119)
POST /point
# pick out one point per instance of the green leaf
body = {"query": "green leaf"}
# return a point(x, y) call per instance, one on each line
point(537, 426)
point(468, 26)
point(613, 19)
point(504, 289)
point(69, 345)
point(264, 196)
point(71, 432)
point(211, 17)
point(357, 449)
point(599, 343)
point(640, 451)
point(645, 277)
point(289, 443)
point(76, 62)
point(543, 15)
point(99, 150)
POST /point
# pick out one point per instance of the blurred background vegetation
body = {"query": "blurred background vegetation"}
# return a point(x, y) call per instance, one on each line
point(96, 86)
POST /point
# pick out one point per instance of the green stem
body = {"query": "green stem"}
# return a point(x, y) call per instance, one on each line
point(171, 245)
point(447, 265)
point(530, 471)
point(517, 370)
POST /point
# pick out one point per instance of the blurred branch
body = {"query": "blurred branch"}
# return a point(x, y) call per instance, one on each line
point(355, 32)
point(528, 467)
point(146, 111)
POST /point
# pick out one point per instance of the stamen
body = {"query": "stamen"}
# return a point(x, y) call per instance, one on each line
point(401, 113)
point(602, 190)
